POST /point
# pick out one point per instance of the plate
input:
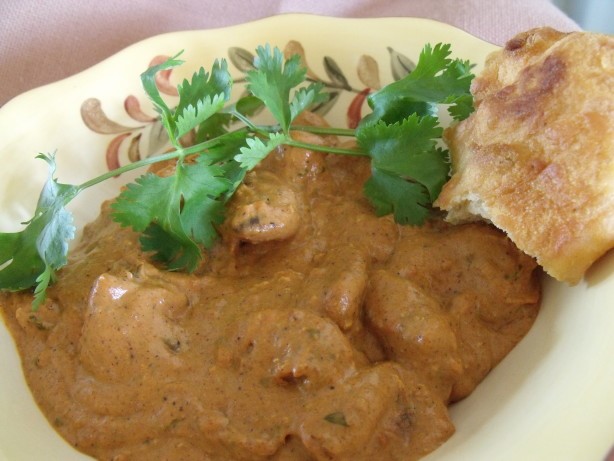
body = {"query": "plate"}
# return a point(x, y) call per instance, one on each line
point(550, 399)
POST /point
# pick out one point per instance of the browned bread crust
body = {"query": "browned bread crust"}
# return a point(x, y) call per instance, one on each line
point(536, 158)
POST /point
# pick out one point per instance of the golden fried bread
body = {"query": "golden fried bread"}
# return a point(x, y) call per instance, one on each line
point(536, 158)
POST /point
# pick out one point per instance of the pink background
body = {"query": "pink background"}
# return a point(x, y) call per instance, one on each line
point(42, 41)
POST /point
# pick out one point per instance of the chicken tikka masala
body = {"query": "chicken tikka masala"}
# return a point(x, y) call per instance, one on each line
point(314, 330)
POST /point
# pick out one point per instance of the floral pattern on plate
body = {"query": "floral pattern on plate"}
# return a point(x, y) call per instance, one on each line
point(149, 138)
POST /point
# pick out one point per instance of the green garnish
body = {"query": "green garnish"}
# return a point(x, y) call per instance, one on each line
point(31, 257)
point(178, 215)
point(337, 418)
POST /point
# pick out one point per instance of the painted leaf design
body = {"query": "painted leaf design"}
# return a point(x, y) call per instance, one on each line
point(253, 110)
point(188, 139)
point(400, 64)
point(133, 108)
point(158, 138)
point(294, 47)
point(241, 58)
point(164, 76)
point(324, 107)
point(354, 112)
point(96, 120)
point(335, 73)
point(368, 72)
point(134, 150)
point(112, 154)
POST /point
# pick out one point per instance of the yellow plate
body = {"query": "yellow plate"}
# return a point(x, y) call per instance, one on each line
point(552, 398)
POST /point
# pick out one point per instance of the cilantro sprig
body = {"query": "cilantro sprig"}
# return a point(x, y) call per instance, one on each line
point(178, 215)
point(32, 256)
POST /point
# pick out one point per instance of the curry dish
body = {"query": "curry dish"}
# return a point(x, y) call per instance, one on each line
point(313, 331)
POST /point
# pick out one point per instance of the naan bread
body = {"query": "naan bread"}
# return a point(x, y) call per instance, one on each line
point(536, 158)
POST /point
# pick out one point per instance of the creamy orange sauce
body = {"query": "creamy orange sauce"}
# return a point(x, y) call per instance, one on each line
point(313, 331)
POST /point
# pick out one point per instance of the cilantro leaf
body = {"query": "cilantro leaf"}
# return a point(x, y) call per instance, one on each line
point(193, 116)
point(217, 125)
point(257, 149)
point(388, 193)
point(199, 99)
point(409, 150)
point(223, 152)
point(203, 97)
point(307, 97)
point(176, 213)
point(402, 132)
point(214, 126)
point(273, 79)
point(437, 79)
point(460, 107)
point(148, 81)
point(169, 247)
point(32, 256)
